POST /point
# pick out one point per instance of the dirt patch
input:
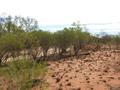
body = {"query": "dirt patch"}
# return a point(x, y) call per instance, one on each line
point(97, 71)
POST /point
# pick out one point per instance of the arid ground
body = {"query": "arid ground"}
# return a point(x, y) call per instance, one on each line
point(98, 71)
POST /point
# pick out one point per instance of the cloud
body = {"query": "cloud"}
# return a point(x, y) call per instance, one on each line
point(49, 12)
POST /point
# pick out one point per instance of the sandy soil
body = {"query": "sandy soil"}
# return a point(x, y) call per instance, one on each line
point(98, 71)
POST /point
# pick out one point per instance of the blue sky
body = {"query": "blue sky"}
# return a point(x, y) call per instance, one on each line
point(65, 12)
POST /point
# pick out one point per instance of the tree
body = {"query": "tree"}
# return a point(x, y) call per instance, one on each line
point(28, 24)
point(80, 38)
point(116, 40)
point(10, 44)
point(45, 41)
point(64, 39)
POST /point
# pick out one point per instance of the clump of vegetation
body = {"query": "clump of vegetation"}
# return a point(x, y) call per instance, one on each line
point(24, 74)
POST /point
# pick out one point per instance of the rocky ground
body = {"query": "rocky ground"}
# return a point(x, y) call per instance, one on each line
point(98, 71)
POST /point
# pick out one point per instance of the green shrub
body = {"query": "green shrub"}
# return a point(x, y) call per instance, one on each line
point(24, 74)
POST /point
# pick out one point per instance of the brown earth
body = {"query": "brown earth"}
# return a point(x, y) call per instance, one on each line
point(98, 71)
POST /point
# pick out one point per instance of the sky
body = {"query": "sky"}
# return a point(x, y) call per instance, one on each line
point(65, 12)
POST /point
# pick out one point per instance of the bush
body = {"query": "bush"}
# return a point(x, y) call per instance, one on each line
point(24, 74)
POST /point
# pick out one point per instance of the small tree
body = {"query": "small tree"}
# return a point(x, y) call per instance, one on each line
point(9, 44)
point(45, 38)
point(64, 39)
point(117, 41)
point(80, 37)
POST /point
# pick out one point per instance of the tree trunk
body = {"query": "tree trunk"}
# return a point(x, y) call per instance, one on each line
point(76, 49)
point(0, 62)
point(45, 53)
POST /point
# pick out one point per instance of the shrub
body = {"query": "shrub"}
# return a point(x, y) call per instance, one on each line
point(24, 74)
